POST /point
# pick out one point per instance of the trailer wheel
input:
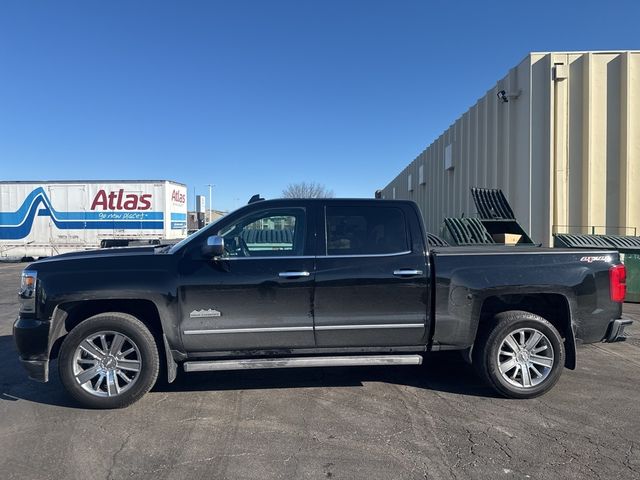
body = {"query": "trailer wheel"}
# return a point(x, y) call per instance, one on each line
point(520, 355)
point(109, 360)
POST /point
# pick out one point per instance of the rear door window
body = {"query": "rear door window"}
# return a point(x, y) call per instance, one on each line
point(353, 230)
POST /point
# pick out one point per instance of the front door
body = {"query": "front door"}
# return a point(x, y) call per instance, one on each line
point(259, 294)
point(371, 284)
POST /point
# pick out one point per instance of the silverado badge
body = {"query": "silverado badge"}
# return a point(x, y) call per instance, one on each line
point(204, 313)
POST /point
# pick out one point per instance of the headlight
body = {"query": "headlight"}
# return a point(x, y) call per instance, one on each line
point(28, 280)
point(28, 290)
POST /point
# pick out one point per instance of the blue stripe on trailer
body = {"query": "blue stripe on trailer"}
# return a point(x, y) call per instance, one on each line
point(106, 215)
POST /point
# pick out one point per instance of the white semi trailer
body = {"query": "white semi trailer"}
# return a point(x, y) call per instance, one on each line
point(41, 219)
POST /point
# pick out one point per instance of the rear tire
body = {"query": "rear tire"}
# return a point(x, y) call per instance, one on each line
point(520, 355)
point(109, 360)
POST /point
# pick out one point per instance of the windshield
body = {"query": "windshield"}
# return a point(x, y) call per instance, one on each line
point(184, 241)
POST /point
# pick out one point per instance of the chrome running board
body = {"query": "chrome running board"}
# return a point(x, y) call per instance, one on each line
point(301, 362)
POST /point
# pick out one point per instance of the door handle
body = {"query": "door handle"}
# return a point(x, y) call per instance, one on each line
point(293, 274)
point(405, 272)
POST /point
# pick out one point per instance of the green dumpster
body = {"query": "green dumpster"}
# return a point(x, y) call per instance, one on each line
point(632, 262)
point(629, 248)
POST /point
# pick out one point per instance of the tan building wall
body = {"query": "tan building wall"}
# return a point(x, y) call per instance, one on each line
point(565, 148)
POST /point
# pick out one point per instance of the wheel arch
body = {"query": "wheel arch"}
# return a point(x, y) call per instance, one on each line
point(68, 315)
point(553, 307)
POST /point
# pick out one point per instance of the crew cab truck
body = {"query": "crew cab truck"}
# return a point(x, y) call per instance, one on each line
point(310, 283)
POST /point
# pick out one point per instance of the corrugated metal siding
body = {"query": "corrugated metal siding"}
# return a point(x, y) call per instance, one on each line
point(565, 151)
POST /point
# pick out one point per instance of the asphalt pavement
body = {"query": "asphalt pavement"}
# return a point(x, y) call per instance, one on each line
point(436, 421)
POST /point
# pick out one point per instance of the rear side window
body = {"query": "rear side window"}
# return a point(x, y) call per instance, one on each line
point(365, 230)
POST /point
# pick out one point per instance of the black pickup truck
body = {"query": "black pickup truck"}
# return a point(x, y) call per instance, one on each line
point(310, 283)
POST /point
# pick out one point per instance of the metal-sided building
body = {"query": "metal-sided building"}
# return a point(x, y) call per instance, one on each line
point(560, 135)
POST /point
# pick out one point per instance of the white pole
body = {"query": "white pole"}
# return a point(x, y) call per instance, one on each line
point(210, 202)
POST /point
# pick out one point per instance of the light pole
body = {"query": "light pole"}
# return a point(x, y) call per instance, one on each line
point(210, 200)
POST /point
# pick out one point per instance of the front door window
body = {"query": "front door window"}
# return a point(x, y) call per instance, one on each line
point(266, 234)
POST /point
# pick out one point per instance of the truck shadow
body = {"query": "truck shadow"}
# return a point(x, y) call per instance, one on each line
point(442, 372)
point(15, 386)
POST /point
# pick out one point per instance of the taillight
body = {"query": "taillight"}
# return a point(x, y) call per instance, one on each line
point(617, 282)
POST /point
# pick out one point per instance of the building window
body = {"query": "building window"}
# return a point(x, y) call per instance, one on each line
point(394, 193)
point(421, 175)
point(448, 158)
point(410, 183)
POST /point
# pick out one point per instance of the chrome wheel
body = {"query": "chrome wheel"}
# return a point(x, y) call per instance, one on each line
point(106, 364)
point(525, 358)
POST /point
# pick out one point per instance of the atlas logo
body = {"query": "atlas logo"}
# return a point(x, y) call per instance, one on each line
point(178, 197)
point(121, 201)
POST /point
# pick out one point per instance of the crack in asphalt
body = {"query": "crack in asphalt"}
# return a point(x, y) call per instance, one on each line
point(184, 463)
point(116, 453)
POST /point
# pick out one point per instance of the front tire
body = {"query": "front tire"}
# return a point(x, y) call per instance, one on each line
point(520, 355)
point(109, 360)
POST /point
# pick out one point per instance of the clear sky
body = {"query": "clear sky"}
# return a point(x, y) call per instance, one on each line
point(253, 95)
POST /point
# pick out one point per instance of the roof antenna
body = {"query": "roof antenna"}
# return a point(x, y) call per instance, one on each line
point(255, 198)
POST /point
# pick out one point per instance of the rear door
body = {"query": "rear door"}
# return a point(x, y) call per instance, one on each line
point(371, 277)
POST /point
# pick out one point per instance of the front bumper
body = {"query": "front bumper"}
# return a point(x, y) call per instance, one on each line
point(37, 370)
point(615, 333)
point(31, 337)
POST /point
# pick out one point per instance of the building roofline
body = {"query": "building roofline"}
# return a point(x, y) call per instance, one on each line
point(574, 52)
point(580, 52)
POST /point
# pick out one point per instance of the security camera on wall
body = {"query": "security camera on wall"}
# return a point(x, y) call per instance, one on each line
point(504, 96)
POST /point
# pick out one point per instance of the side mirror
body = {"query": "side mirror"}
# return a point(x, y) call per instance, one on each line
point(213, 247)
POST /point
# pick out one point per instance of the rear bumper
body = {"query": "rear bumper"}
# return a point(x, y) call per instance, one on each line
point(615, 333)
point(31, 337)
